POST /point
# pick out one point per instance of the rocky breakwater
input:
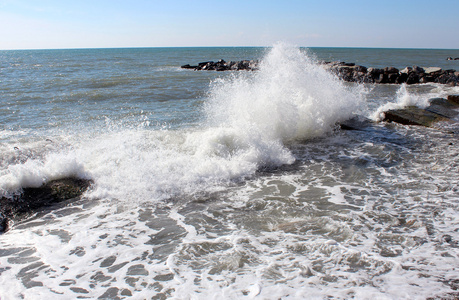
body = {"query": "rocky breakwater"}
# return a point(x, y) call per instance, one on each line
point(408, 75)
point(351, 72)
point(32, 200)
point(221, 65)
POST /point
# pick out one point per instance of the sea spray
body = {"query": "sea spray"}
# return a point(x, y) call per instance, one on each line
point(362, 214)
point(403, 98)
point(251, 119)
point(290, 98)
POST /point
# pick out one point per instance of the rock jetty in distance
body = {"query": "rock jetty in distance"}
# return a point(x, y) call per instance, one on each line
point(351, 72)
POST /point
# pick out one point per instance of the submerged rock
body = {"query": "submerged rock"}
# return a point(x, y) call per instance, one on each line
point(33, 199)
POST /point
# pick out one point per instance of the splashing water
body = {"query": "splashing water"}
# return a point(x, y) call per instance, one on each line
point(252, 117)
point(403, 99)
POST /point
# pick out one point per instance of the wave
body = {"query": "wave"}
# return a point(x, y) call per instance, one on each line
point(251, 118)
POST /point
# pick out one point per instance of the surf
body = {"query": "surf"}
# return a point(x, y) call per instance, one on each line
point(250, 120)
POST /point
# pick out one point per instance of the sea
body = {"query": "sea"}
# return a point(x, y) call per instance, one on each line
point(226, 185)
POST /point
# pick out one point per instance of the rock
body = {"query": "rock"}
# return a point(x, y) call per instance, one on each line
point(443, 79)
point(427, 79)
point(392, 77)
point(390, 70)
point(453, 99)
point(413, 78)
point(375, 71)
point(418, 70)
point(402, 78)
point(439, 110)
point(360, 69)
point(187, 66)
point(33, 199)
point(355, 123)
point(351, 72)
point(432, 70)
point(407, 70)
point(382, 78)
point(443, 107)
point(413, 115)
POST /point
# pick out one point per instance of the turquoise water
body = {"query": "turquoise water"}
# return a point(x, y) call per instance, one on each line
point(225, 185)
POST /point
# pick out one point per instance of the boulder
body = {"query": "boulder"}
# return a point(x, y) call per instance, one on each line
point(390, 70)
point(360, 69)
point(432, 70)
point(355, 123)
point(417, 69)
point(413, 115)
point(407, 70)
point(187, 66)
point(413, 78)
point(426, 79)
point(440, 109)
point(453, 99)
point(392, 77)
point(31, 200)
point(381, 78)
point(375, 71)
point(443, 107)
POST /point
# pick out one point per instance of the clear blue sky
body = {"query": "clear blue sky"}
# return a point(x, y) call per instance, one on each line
point(44, 24)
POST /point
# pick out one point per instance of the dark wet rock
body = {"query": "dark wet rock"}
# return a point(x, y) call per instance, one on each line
point(413, 115)
point(412, 78)
point(418, 70)
point(187, 66)
point(453, 99)
point(222, 65)
point(355, 123)
point(391, 70)
point(402, 78)
point(407, 70)
point(439, 110)
point(443, 107)
point(32, 200)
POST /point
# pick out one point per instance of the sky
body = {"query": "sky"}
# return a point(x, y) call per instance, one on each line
point(57, 24)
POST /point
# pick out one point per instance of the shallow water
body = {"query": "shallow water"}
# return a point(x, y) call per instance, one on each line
point(223, 185)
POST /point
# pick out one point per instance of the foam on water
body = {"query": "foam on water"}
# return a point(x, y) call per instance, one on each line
point(251, 119)
point(368, 214)
point(409, 96)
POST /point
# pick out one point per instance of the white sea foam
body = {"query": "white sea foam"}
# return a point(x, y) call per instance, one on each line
point(409, 96)
point(366, 214)
point(251, 119)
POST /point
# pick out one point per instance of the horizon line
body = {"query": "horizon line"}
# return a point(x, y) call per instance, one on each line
point(165, 47)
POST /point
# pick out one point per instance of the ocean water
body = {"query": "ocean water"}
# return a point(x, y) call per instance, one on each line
point(225, 185)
